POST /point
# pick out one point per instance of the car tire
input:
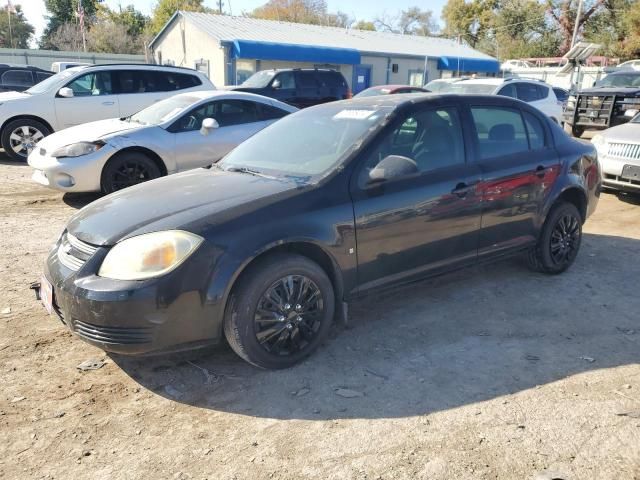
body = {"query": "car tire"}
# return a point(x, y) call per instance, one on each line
point(127, 169)
point(577, 131)
point(254, 325)
point(20, 136)
point(559, 240)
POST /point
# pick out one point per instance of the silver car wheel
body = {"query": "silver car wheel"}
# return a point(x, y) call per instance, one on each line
point(24, 139)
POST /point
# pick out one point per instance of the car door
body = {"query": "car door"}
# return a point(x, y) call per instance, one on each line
point(237, 120)
point(519, 166)
point(308, 88)
point(93, 99)
point(422, 222)
point(283, 88)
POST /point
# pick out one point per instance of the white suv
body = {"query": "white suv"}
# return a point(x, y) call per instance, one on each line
point(535, 92)
point(85, 94)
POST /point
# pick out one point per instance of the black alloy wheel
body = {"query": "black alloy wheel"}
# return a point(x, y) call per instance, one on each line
point(565, 240)
point(128, 169)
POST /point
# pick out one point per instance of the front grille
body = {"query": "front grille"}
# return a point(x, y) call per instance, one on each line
point(624, 150)
point(617, 178)
point(73, 253)
point(594, 109)
point(115, 335)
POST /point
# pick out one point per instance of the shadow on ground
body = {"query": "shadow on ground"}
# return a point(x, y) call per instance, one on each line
point(79, 200)
point(463, 338)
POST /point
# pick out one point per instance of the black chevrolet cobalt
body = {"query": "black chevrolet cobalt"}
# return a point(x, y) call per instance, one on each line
point(268, 246)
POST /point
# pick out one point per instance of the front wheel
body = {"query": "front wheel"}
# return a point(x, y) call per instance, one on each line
point(280, 312)
point(19, 137)
point(559, 241)
point(127, 169)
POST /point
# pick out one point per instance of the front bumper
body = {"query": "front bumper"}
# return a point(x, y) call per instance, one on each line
point(78, 174)
point(612, 174)
point(169, 313)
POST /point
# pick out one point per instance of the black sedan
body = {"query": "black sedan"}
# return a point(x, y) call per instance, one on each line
point(269, 245)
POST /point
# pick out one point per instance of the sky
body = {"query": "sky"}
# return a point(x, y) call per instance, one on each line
point(360, 9)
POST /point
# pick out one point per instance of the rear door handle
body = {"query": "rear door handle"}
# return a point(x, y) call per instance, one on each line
point(462, 189)
point(541, 171)
point(108, 103)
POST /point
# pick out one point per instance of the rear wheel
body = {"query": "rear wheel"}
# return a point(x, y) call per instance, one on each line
point(280, 312)
point(127, 169)
point(577, 131)
point(19, 137)
point(559, 241)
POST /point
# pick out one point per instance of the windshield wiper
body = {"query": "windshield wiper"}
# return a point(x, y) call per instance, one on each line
point(249, 171)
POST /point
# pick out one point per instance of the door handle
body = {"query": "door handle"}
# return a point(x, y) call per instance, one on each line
point(108, 103)
point(541, 171)
point(462, 189)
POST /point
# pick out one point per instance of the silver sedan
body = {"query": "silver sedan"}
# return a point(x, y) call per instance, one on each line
point(619, 153)
point(186, 131)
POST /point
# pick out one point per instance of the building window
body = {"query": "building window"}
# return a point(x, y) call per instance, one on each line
point(202, 66)
point(244, 69)
point(416, 78)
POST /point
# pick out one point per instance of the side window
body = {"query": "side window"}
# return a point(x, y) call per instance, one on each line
point(543, 92)
point(269, 112)
point(193, 120)
point(185, 80)
point(22, 78)
point(535, 131)
point(500, 131)
point(40, 76)
point(307, 80)
point(92, 84)
point(235, 112)
point(170, 81)
point(527, 92)
point(286, 80)
point(432, 138)
point(331, 80)
point(508, 90)
point(561, 94)
point(128, 81)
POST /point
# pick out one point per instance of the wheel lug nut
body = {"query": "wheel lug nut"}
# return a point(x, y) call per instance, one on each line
point(281, 318)
point(287, 306)
point(289, 326)
point(298, 307)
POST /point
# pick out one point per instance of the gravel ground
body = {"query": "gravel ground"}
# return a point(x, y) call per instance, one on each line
point(490, 372)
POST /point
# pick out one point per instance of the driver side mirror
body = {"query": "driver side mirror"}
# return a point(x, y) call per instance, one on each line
point(276, 84)
point(65, 92)
point(391, 168)
point(208, 124)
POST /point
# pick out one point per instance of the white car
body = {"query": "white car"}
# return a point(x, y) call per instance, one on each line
point(536, 93)
point(619, 154)
point(630, 65)
point(85, 94)
point(186, 131)
point(514, 64)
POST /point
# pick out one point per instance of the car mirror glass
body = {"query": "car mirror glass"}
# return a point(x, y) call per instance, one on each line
point(208, 124)
point(391, 168)
point(65, 92)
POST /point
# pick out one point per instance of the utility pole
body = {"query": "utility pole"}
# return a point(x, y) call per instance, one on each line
point(220, 5)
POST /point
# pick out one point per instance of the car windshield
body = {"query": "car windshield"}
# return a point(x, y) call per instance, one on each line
point(50, 82)
point(309, 144)
point(619, 80)
point(259, 79)
point(636, 119)
point(163, 110)
point(473, 88)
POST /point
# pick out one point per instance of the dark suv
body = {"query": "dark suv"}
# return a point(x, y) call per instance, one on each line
point(612, 101)
point(273, 241)
point(18, 78)
point(298, 87)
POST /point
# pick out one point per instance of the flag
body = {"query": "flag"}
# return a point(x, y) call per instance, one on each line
point(80, 15)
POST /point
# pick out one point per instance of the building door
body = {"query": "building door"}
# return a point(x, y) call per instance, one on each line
point(361, 78)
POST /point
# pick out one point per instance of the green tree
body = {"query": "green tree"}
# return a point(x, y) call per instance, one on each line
point(111, 37)
point(296, 11)
point(134, 20)
point(165, 9)
point(364, 25)
point(64, 11)
point(21, 31)
point(415, 21)
point(563, 12)
point(470, 21)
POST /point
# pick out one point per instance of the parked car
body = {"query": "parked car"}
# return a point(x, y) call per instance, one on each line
point(84, 94)
point(514, 64)
point(562, 96)
point(58, 67)
point(272, 241)
point(186, 131)
point(441, 84)
point(300, 87)
point(17, 78)
point(619, 154)
point(535, 92)
point(631, 64)
point(613, 100)
point(390, 90)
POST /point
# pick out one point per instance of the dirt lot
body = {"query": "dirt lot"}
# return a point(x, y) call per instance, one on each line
point(491, 372)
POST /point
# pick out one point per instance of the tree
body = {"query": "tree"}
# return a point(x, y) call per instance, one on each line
point(563, 13)
point(364, 25)
point(66, 37)
point(414, 21)
point(65, 11)
point(296, 11)
point(165, 9)
point(21, 31)
point(469, 21)
point(111, 37)
point(134, 20)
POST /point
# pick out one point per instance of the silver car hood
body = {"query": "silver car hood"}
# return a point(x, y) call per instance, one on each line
point(89, 132)
point(627, 133)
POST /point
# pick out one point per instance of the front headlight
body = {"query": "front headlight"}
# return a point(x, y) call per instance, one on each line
point(599, 142)
point(149, 255)
point(77, 149)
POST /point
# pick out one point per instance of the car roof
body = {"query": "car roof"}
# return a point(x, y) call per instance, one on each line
point(232, 94)
point(134, 66)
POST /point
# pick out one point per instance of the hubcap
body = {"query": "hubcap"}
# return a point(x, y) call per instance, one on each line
point(564, 239)
point(129, 173)
point(24, 139)
point(288, 315)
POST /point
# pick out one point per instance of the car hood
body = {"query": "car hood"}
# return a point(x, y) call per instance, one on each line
point(5, 96)
point(619, 91)
point(626, 133)
point(193, 201)
point(88, 132)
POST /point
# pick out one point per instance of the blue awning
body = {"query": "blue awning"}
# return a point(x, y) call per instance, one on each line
point(294, 53)
point(469, 64)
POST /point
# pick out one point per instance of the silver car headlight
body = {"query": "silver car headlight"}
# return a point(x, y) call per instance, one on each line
point(77, 149)
point(149, 255)
point(600, 142)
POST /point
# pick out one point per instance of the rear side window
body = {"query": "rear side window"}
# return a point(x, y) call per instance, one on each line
point(21, 78)
point(508, 90)
point(543, 92)
point(561, 94)
point(40, 76)
point(535, 131)
point(527, 92)
point(331, 80)
point(269, 112)
point(307, 80)
point(146, 81)
point(225, 112)
point(500, 131)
